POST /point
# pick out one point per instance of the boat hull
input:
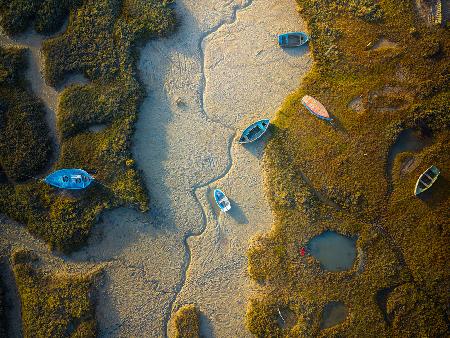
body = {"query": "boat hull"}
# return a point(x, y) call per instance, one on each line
point(254, 131)
point(222, 201)
point(72, 179)
point(292, 39)
point(316, 108)
point(426, 180)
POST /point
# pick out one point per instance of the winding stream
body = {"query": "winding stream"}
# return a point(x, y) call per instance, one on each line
point(205, 83)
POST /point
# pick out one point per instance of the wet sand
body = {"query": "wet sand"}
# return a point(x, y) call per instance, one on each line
point(220, 71)
point(247, 78)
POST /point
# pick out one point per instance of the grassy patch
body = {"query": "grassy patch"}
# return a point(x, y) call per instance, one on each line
point(324, 177)
point(186, 322)
point(100, 43)
point(24, 142)
point(47, 16)
point(53, 305)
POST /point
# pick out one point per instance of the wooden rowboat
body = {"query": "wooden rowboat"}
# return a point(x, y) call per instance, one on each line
point(292, 39)
point(72, 179)
point(316, 108)
point(254, 131)
point(222, 200)
point(426, 180)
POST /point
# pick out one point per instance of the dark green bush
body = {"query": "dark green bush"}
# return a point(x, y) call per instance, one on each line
point(99, 43)
point(25, 146)
point(47, 15)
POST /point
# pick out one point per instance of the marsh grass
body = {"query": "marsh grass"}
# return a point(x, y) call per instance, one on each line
point(99, 43)
point(402, 240)
point(54, 304)
point(186, 322)
point(24, 142)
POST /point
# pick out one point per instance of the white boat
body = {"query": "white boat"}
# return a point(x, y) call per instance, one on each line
point(426, 180)
point(222, 200)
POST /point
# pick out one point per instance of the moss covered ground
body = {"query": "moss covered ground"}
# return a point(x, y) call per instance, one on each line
point(54, 304)
point(186, 322)
point(321, 176)
point(100, 42)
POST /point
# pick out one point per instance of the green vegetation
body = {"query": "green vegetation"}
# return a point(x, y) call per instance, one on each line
point(99, 42)
point(53, 305)
point(186, 322)
point(24, 142)
point(47, 15)
point(335, 177)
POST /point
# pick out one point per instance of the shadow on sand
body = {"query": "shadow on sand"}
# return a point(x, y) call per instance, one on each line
point(237, 213)
point(256, 148)
point(297, 51)
point(206, 327)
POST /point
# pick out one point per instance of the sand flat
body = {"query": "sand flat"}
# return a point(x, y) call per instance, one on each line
point(203, 85)
point(247, 78)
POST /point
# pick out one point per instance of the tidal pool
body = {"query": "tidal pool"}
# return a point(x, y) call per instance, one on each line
point(333, 314)
point(334, 251)
point(409, 140)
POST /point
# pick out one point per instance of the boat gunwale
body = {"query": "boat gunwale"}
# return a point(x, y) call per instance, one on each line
point(224, 197)
point(313, 112)
point(293, 33)
point(435, 171)
point(251, 126)
point(50, 179)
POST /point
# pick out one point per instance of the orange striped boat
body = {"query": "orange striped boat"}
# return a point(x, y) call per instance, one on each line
point(316, 108)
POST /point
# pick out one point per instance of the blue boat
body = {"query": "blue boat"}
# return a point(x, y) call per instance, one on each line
point(222, 200)
point(69, 179)
point(254, 131)
point(292, 39)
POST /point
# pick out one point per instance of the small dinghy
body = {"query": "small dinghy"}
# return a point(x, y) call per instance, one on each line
point(222, 200)
point(69, 179)
point(254, 131)
point(426, 180)
point(316, 108)
point(292, 39)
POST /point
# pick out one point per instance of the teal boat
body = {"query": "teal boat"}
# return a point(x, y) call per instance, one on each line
point(72, 179)
point(292, 39)
point(254, 131)
point(426, 180)
point(222, 200)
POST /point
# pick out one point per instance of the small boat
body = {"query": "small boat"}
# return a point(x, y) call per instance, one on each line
point(254, 131)
point(292, 39)
point(69, 179)
point(426, 180)
point(222, 200)
point(316, 108)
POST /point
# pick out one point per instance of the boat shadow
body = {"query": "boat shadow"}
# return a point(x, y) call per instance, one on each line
point(206, 327)
point(437, 193)
point(257, 148)
point(237, 213)
point(297, 51)
point(337, 124)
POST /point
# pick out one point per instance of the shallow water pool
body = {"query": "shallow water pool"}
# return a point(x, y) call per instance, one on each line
point(333, 314)
point(334, 251)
